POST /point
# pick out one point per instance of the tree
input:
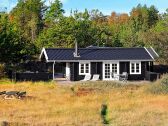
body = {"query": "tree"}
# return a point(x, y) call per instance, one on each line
point(28, 16)
point(11, 46)
point(54, 13)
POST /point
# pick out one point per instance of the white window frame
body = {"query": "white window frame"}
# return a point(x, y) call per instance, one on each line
point(80, 63)
point(135, 70)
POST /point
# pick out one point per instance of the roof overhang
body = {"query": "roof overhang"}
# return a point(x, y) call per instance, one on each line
point(152, 53)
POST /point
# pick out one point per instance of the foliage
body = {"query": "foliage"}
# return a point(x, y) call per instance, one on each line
point(32, 25)
point(164, 80)
point(28, 17)
point(104, 114)
point(11, 46)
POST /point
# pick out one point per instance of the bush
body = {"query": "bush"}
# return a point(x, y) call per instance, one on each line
point(104, 114)
point(164, 80)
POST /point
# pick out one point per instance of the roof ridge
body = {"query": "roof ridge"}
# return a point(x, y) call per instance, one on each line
point(99, 48)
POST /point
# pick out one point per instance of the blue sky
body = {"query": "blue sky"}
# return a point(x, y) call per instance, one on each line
point(105, 6)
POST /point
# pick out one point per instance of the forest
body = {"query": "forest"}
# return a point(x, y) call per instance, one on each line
point(32, 25)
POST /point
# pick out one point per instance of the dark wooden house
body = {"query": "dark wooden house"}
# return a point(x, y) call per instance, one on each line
point(76, 63)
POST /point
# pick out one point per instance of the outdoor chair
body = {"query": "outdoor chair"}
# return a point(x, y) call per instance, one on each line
point(87, 78)
point(114, 76)
point(95, 77)
point(124, 77)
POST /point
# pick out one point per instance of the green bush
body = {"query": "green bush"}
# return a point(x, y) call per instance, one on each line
point(104, 114)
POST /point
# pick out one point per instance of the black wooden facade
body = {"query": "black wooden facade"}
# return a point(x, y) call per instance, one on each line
point(97, 68)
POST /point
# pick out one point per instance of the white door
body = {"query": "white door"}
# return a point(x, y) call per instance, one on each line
point(67, 71)
point(110, 71)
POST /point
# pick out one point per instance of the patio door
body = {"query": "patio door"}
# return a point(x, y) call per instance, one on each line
point(109, 70)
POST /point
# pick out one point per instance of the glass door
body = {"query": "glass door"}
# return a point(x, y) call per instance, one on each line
point(107, 71)
point(111, 71)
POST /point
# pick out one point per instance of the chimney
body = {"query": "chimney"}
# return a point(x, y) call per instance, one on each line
point(76, 54)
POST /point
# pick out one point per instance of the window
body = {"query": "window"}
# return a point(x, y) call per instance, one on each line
point(135, 68)
point(84, 68)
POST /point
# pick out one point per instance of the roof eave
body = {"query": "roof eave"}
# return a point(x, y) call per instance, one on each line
point(45, 54)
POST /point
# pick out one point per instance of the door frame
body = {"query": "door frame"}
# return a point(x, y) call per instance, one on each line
point(111, 62)
point(67, 71)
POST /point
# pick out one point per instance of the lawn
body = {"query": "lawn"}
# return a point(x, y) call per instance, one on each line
point(51, 104)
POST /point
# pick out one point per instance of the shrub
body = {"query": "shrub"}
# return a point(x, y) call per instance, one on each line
point(164, 80)
point(104, 114)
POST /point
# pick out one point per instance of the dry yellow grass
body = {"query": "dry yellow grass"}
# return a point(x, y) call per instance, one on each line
point(64, 105)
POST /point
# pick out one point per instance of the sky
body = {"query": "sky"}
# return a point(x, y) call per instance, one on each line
point(105, 6)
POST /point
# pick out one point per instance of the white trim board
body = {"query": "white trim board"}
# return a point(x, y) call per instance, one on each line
point(149, 53)
point(84, 68)
point(155, 52)
point(45, 54)
point(140, 68)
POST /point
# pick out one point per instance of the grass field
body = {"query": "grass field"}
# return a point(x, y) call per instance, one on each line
point(50, 104)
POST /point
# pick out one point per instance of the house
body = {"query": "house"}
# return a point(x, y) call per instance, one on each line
point(76, 63)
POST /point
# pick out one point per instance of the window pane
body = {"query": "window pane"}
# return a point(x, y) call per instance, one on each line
point(132, 68)
point(137, 67)
point(82, 68)
point(86, 68)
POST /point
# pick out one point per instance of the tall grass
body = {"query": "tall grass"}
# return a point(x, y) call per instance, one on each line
point(160, 86)
point(50, 104)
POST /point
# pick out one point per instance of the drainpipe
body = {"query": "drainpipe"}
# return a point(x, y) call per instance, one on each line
point(53, 70)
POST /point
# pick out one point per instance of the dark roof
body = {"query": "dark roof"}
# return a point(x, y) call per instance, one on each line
point(58, 54)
